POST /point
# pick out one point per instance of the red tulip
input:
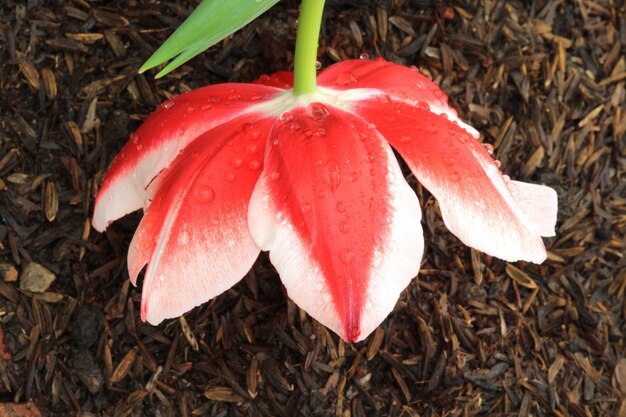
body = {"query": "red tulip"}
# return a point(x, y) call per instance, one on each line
point(229, 170)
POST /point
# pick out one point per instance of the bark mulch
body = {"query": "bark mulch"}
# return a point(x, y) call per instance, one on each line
point(544, 81)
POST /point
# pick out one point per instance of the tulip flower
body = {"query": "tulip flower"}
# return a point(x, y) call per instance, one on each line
point(301, 165)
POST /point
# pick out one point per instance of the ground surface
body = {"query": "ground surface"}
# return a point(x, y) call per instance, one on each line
point(544, 81)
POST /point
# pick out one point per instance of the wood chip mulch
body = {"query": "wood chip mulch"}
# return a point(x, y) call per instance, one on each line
point(544, 81)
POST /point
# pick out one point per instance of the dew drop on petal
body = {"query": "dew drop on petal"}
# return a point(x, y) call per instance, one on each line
point(333, 175)
point(432, 129)
point(236, 162)
point(318, 65)
point(183, 238)
point(320, 132)
point(254, 165)
point(317, 111)
point(364, 55)
point(230, 177)
point(489, 148)
point(306, 208)
point(252, 148)
point(344, 227)
point(286, 117)
point(275, 176)
point(252, 131)
point(204, 194)
point(341, 206)
point(422, 105)
point(308, 133)
point(498, 163)
point(346, 78)
point(371, 126)
point(405, 139)
point(346, 255)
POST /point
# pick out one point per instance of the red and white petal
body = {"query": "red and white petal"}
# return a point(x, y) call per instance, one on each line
point(475, 199)
point(392, 82)
point(341, 224)
point(194, 236)
point(160, 139)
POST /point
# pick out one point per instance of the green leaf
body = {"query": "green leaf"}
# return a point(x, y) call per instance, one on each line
point(212, 21)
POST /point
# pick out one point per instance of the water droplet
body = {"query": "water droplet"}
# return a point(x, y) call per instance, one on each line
point(237, 162)
point(354, 176)
point(254, 165)
point(364, 55)
point(346, 255)
point(405, 139)
point(498, 163)
point(318, 65)
point(230, 177)
point(204, 194)
point(317, 111)
point(489, 148)
point(275, 176)
point(414, 68)
point(422, 105)
point(168, 104)
point(306, 208)
point(320, 132)
point(264, 78)
point(183, 238)
point(341, 206)
point(252, 148)
point(252, 131)
point(206, 107)
point(371, 157)
point(308, 133)
point(215, 222)
point(346, 78)
point(333, 175)
point(294, 127)
point(371, 126)
point(344, 227)
point(234, 97)
point(286, 117)
point(432, 129)
point(506, 178)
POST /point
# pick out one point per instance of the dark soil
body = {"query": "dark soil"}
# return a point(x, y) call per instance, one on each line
point(543, 80)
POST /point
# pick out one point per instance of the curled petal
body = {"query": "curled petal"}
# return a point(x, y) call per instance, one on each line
point(476, 201)
point(341, 224)
point(162, 136)
point(194, 235)
point(394, 82)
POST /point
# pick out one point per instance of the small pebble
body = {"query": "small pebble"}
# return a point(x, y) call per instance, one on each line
point(36, 278)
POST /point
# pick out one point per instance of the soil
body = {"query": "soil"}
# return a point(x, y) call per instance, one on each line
point(543, 81)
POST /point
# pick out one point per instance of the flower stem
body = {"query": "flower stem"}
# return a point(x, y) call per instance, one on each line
point(305, 71)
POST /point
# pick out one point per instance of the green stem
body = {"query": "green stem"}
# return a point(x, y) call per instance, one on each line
point(305, 71)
